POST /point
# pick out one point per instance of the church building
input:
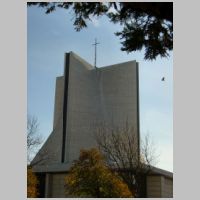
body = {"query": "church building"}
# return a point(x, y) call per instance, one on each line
point(86, 97)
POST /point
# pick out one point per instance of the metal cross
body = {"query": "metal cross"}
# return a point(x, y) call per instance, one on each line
point(95, 53)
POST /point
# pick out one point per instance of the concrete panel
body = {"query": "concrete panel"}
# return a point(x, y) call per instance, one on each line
point(58, 105)
point(118, 94)
point(56, 186)
point(108, 94)
point(50, 153)
point(82, 108)
point(153, 186)
point(159, 187)
point(167, 188)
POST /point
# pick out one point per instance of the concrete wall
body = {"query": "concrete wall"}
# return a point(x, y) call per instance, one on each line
point(159, 187)
point(50, 153)
point(168, 188)
point(108, 94)
point(153, 186)
point(55, 185)
point(82, 107)
point(58, 105)
point(118, 93)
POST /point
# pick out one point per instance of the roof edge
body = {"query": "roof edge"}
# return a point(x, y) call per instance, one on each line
point(87, 64)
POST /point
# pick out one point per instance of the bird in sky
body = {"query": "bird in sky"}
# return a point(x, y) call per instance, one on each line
point(163, 79)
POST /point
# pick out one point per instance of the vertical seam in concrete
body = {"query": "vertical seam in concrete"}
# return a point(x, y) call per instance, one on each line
point(46, 185)
point(162, 186)
point(66, 80)
point(138, 109)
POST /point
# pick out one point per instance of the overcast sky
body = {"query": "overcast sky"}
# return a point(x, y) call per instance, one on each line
point(50, 36)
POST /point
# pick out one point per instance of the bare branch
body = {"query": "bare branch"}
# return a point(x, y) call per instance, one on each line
point(34, 139)
point(120, 148)
point(148, 156)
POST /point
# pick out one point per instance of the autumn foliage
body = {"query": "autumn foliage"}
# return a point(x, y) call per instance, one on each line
point(90, 177)
point(31, 184)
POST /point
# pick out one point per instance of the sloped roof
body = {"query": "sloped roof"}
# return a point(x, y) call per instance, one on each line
point(158, 171)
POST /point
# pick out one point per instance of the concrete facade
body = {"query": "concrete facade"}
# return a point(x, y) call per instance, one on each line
point(55, 185)
point(159, 186)
point(159, 183)
point(86, 97)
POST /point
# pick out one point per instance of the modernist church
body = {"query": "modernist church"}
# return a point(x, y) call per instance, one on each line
point(86, 97)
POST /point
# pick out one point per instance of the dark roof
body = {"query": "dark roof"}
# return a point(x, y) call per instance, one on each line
point(151, 170)
point(158, 171)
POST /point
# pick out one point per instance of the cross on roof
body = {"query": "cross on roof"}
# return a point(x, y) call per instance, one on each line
point(95, 53)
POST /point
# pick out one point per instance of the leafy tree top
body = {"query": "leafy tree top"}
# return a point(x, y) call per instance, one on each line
point(90, 177)
point(147, 25)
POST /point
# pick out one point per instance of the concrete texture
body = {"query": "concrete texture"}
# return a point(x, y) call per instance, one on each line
point(154, 186)
point(55, 185)
point(106, 95)
point(167, 190)
point(159, 187)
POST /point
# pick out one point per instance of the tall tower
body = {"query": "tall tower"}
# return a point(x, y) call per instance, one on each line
point(84, 99)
